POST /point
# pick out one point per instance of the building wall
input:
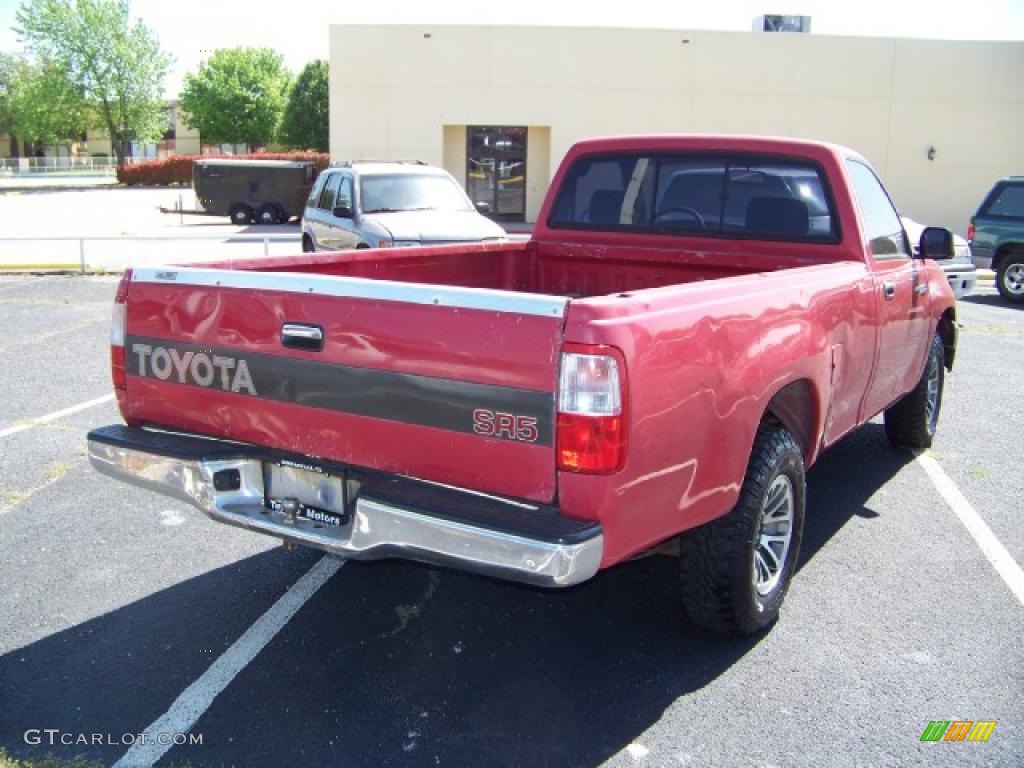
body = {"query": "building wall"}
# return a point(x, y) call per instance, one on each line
point(186, 139)
point(98, 142)
point(397, 93)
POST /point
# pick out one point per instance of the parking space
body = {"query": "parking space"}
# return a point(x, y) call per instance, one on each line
point(119, 606)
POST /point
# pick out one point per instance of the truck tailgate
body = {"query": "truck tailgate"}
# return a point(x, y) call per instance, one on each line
point(452, 385)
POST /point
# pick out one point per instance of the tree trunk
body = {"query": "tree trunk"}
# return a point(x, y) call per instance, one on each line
point(116, 142)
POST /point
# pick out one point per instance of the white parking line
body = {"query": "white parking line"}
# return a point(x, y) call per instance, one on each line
point(54, 416)
point(198, 697)
point(990, 546)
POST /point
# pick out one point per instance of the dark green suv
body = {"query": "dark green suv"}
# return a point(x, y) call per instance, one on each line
point(996, 236)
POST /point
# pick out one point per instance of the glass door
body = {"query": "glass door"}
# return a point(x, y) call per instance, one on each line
point(496, 170)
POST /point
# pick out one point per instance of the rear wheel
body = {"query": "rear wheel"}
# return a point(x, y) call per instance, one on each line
point(269, 213)
point(736, 570)
point(911, 421)
point(240, 214)
point(1010, 278)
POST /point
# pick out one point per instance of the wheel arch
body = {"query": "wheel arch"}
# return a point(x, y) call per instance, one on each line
point(1005, 249)
point(946, 328)
point(797, 407)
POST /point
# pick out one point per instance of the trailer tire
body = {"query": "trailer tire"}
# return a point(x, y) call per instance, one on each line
point(736, 569)
point(269, 213)
point(240, 214)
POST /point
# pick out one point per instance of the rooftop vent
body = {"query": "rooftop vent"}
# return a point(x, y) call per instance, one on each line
point(777, 22)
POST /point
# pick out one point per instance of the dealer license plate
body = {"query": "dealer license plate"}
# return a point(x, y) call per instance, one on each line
point(320, 496)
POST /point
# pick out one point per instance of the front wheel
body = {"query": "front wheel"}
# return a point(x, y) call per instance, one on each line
point(1010, 278)
point(911, 421)
point(736, 570)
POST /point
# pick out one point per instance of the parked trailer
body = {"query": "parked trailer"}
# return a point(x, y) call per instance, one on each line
point(247, 191)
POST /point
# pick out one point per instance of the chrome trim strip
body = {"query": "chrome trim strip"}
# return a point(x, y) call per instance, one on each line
point(376, 530)
point(359, 288)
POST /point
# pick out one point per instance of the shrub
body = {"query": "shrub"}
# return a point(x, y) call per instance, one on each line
point(172, 170)
point(177, 169)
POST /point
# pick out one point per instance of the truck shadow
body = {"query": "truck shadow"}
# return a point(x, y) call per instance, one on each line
point(397, 663)
point(990, 300)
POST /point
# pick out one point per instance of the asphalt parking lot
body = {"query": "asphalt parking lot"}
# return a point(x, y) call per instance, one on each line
point(119, 608)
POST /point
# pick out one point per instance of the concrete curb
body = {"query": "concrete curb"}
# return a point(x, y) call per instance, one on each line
point(57, 269)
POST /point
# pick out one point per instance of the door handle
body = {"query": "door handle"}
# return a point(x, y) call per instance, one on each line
point(921, 289)
point(302, 336)
point(888, 290)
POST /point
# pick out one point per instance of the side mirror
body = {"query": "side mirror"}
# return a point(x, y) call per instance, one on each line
point(936, 243)
point(482, 207)
point(342, 212)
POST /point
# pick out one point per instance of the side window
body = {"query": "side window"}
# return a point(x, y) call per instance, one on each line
point(884, 228)
point(605, 193)
point(330, 192)
point(1008, 202)
point(344, 196)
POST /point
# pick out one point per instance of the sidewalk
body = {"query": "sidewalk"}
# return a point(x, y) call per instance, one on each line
point(41, 182)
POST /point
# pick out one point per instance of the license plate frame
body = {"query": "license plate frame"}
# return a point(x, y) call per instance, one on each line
point(321, 495)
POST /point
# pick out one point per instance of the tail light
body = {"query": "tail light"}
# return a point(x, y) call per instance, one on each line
point(591, 427)
point(970, 231)
point(118, 324)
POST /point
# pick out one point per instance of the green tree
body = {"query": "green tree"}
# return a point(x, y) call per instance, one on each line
point(114, 62)
point(8, 64)
point(238, 95)
point(43, 106)
point(305, 121)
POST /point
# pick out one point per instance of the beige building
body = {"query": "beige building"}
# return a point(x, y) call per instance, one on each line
point(178, 139)
point(499, 106)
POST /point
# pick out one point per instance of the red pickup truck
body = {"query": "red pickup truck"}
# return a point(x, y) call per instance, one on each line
point(692, 322)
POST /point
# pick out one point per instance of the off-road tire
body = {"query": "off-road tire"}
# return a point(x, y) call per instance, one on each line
point(717, 559)
point(911, 421)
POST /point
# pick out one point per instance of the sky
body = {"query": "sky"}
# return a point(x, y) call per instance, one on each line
point(190, 29)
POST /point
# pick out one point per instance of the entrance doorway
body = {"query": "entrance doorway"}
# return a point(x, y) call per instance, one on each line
point(496, 170)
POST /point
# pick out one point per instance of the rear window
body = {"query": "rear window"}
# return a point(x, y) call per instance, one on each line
point(733, 196)
point(1006, 202)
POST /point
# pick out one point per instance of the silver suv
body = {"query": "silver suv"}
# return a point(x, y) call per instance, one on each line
point(374, 205)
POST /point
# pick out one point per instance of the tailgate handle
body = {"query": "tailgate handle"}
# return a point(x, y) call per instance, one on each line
point(302, 336)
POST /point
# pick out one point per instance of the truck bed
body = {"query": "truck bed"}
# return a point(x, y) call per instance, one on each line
point(554, 269)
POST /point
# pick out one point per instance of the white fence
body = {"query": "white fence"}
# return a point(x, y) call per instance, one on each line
point(82, 253)
point(30, 166)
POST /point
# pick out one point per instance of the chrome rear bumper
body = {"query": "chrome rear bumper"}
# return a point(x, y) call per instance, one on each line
point(432, 524)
